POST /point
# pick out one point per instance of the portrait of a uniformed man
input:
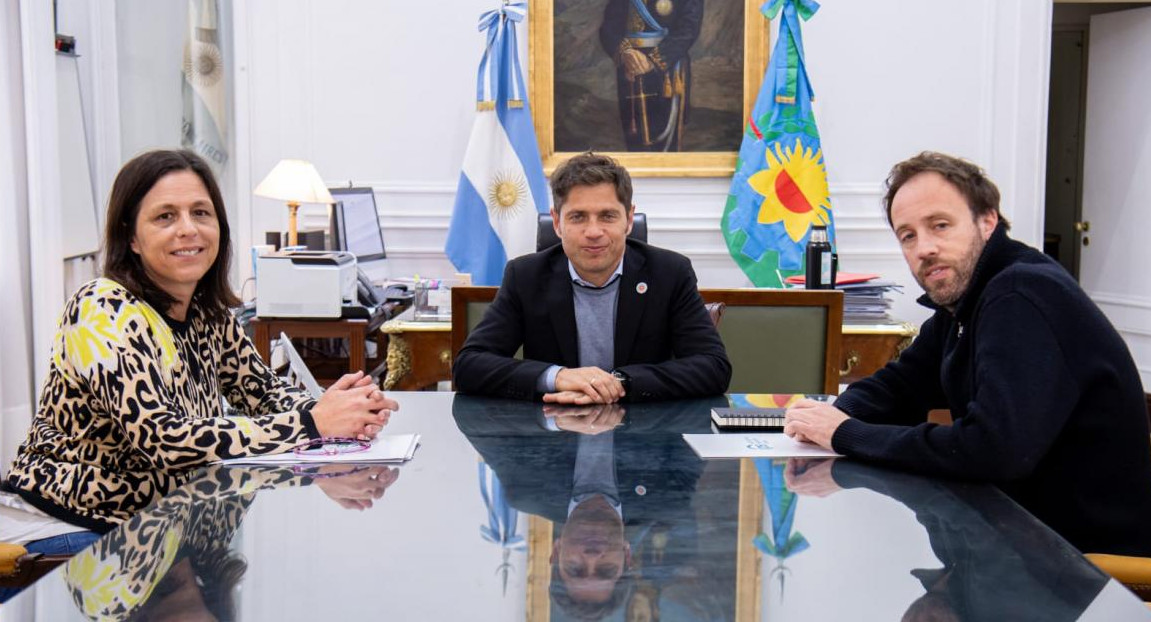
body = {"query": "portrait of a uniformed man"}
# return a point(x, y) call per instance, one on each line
point(648, 75)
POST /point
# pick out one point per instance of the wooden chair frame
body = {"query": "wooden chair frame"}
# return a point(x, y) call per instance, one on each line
point(461, 297)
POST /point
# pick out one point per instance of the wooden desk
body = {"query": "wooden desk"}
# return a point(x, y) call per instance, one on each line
point(419, 354)
point(866, 348)
point(355, 331)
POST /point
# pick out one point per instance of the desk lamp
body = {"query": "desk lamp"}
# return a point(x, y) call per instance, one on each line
point(295, 182)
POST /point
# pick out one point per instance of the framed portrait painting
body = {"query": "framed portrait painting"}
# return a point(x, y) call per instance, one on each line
point(664, 86)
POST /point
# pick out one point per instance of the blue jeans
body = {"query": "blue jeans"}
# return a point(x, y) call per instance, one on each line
point(64, 544)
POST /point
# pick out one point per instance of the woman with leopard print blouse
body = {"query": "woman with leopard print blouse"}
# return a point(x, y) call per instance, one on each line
point(142, 362)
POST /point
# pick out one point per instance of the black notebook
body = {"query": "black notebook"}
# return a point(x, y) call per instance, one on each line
point(761, 419)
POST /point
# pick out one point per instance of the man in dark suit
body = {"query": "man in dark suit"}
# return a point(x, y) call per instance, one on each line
point(600, 317)
point(648, 40)
point(617, 485)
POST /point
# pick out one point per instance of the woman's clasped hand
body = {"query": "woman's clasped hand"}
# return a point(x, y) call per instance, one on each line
point(353, 407)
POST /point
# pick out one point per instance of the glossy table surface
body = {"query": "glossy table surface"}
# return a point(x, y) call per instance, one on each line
point(468, 528)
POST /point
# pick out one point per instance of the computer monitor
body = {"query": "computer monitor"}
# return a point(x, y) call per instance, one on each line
point(356, 228)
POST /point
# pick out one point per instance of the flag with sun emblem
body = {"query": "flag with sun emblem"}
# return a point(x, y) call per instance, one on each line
point(502, 187)
point(205, 125)
point(779, 189)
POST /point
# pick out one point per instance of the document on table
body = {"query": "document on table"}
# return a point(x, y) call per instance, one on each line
point(741, 445)
point(385, 448)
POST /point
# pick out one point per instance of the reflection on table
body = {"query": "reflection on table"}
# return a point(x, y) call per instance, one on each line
point(511, 511)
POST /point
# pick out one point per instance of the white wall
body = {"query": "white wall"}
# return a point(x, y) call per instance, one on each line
point(354, 87)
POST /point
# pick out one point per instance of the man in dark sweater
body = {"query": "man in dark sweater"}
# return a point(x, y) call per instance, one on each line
point(600, 318)
point(1046, 401)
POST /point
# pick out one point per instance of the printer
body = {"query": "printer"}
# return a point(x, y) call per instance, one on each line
point(306, 284)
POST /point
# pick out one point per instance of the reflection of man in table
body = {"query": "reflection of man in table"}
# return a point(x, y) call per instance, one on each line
point(614, 488)
point(998, 564)
point(649, 41)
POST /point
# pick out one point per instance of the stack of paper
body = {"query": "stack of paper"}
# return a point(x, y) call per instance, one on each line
point(866, 303)
point(390, 448)
point(864, 296)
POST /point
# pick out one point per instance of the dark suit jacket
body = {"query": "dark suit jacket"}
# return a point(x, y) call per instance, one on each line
point(656, 470)
point(664, 339)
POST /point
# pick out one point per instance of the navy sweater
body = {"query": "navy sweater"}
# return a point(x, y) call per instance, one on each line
point(1046, 402)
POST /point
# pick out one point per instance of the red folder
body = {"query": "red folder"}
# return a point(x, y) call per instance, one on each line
point(841, 278)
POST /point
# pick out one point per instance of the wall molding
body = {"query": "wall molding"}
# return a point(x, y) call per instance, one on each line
point(1120, 300)
point(684, 223)
point(1139, 332)
point(694, 253)
point(696, 188)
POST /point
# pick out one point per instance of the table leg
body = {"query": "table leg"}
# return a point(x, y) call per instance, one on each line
point(263, 339)
point(357, 355)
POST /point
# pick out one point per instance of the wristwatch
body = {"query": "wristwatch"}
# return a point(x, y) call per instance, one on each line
point(624, 379)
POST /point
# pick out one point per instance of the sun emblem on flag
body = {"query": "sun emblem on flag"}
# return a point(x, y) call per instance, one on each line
point(794, 189)
point(203, 63)
point(507, 194)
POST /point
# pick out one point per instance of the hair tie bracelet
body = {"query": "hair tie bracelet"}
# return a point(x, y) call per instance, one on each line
point(331, 446)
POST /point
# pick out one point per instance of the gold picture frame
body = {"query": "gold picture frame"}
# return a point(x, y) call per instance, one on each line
point(541, 89)
point(748, 594)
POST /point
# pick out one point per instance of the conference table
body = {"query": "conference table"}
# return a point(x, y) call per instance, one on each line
point(493, 520)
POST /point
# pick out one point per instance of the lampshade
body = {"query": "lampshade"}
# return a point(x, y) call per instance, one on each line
point(294, 181)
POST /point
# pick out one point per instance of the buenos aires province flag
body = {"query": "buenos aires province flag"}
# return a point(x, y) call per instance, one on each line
point(502, 187)
point(779, 189)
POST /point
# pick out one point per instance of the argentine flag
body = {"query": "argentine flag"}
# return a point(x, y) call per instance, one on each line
point(205, 123)
point(502, 186)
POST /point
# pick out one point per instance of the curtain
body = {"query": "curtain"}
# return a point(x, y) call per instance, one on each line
point(17, 395)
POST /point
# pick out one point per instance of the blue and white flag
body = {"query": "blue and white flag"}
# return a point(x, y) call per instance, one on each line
point(205, 124)
point(502, 185)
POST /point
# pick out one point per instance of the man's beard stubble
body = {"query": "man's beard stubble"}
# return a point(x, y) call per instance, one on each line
point(950, 292)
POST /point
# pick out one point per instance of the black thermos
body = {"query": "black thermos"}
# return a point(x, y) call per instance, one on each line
point(820, 260)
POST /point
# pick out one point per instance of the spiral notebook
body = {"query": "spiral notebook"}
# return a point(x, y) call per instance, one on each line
point(761, 418)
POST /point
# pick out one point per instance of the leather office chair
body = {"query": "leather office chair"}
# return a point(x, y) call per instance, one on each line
point(546, 234)
point(781, 341)
point(19, 568)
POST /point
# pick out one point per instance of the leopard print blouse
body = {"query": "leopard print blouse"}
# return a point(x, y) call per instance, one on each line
point(133, 400)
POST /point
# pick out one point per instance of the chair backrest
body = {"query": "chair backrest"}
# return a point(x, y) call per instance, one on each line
point(298, 373)
point(781, 341)
point(546, 234)
point(468, 307)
